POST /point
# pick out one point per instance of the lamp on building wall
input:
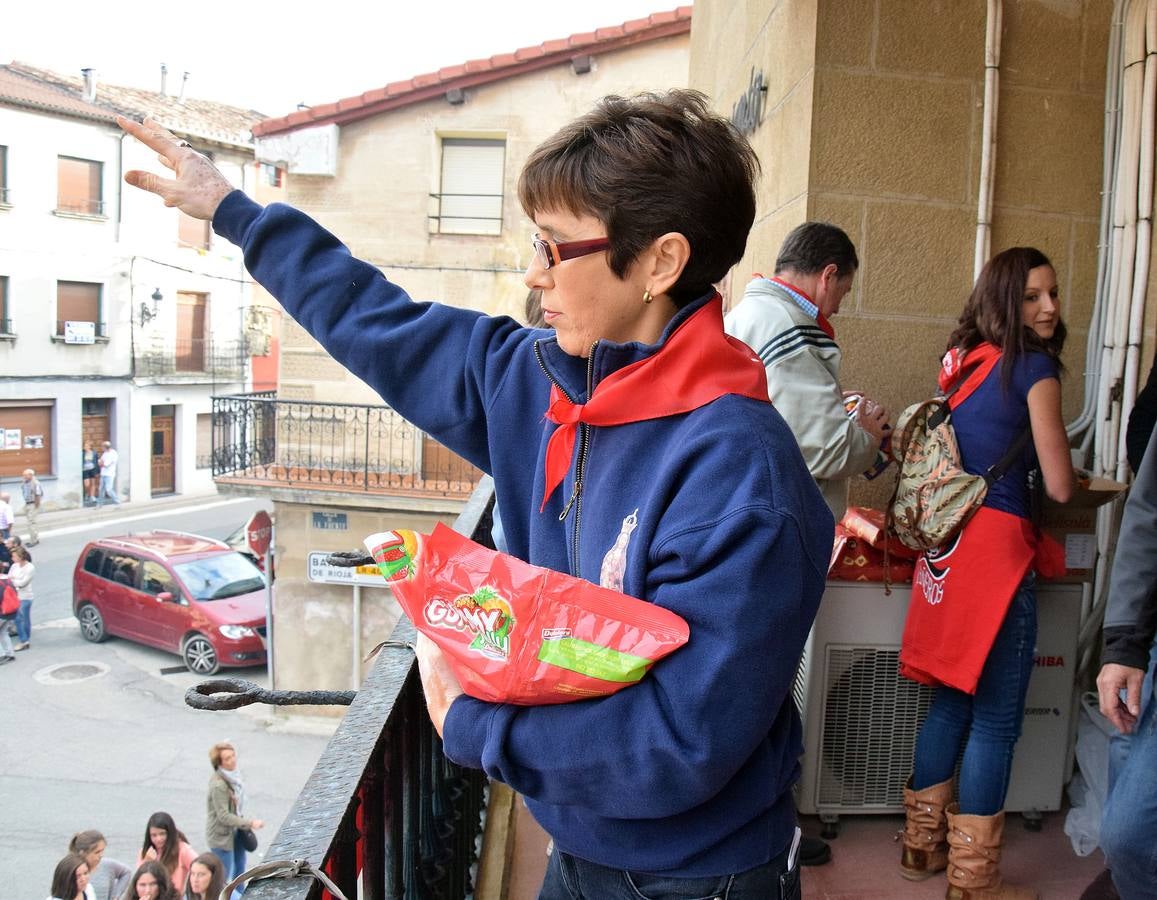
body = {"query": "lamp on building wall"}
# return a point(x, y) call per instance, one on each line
point(147, 315)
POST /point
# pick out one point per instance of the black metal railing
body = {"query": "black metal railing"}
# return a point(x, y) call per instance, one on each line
point(223, 360)
point(333, 446)
point(384, 808)
point(6, 326)
point(4, 195)
point(468, 213)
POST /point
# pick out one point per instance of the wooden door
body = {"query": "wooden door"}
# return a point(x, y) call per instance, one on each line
point(192, 327)
point(162, 455)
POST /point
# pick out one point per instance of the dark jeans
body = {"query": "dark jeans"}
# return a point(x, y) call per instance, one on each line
point(571, 878)
point(989, 720)
point(1130, 815)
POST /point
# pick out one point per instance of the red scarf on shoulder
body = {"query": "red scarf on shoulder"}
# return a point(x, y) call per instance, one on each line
point(981, 359)
point(698, 364)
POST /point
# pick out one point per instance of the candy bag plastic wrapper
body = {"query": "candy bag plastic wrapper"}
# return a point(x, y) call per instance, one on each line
point(517, 633)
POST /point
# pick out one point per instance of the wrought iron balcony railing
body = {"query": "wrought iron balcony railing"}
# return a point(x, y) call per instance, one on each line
point(221, 360)
point(260, 439)
point(384, 808)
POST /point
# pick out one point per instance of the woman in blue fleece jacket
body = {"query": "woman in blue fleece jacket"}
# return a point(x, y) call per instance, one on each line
point(634, 446)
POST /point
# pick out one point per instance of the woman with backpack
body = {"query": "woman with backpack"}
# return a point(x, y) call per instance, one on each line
point(972, 622)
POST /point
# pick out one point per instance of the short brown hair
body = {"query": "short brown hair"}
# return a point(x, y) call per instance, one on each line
point(215, 752)
point(647, 165)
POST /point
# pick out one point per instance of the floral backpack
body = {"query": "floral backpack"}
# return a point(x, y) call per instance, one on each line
point(934, 496)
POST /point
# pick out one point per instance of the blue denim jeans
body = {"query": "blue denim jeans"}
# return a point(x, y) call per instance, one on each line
point(24, 621)
point(1129, 820)
point(108, 489)
point(571, 878)
point(986, 723)
point(233, 861)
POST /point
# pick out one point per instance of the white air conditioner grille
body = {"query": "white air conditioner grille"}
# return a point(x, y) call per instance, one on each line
point(871, 718)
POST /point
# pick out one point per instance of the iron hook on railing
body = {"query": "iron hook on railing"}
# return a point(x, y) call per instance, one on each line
point(233, 693)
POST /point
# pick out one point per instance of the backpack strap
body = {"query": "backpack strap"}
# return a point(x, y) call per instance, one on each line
point(998, 470)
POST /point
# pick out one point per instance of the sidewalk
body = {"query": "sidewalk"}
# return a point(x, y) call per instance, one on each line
point(64, 521)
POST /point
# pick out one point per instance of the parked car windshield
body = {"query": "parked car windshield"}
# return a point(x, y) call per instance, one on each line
point(218, 577)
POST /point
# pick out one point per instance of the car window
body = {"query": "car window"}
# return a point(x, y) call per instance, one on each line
point(218, 577)
point(155, 579)
point(93, 561)
point(121, 568)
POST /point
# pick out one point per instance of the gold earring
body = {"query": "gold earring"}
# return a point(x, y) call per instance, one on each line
point(647, 296)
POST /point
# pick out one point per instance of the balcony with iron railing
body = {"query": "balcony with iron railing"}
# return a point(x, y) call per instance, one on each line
point(384, 814)
point(84, 207)
point(260, 440)
point(192, 360)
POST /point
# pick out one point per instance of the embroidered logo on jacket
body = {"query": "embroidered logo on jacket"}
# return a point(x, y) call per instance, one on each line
point(615, 562)
point(932, 568)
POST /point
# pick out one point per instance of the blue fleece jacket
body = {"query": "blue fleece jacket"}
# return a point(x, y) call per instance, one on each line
point(711, 514)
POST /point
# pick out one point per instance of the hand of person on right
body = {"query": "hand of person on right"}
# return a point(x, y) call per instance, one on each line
point(256, 823)
point(873, 418)
point(1113, 679)
point(198, 188)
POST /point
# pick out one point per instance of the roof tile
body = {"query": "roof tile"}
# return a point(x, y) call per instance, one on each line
point(482, 71)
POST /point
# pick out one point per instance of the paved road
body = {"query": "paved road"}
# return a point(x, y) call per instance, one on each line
point(107, 751)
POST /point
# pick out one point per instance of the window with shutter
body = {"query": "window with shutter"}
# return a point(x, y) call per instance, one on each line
point(471, 192)
point(77, 301)
point(78, 186)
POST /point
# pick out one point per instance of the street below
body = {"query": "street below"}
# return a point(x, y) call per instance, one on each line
point(98, 735)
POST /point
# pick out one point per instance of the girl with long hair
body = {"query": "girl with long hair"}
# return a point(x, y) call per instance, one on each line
point(206, 878)
point(972, 619)
point(107, 878)
point(70, 878)
point(151, 882)
point(167, 844)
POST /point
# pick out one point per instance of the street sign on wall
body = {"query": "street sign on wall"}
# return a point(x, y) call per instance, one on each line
point(321, 572)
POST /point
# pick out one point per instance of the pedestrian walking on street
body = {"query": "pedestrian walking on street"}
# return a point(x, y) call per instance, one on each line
point(9, 609)
point(167, 844)
point(108, 475)
point(206, 878)
point(225, 819)
point(7, 516)
point(70, 879)
point(90, 469)
point(151, 882)
point(20, 573)
point(33, 494)
point(107, 878)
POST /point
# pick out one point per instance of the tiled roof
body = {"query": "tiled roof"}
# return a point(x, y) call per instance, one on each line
point(482, 71)
point(28, 86)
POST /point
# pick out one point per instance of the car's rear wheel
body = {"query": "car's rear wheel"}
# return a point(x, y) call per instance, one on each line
point(91, 623)
point(199, 655)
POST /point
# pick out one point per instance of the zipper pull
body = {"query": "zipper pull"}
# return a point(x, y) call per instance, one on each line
point(578, 486)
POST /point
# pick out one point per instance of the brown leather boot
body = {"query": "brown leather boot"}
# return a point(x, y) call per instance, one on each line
point(974, 859)
point(925, 831)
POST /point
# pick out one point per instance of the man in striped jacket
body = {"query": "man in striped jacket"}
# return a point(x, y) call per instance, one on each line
point(785, 319)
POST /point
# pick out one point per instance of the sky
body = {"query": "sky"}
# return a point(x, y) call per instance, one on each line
point(267, 58)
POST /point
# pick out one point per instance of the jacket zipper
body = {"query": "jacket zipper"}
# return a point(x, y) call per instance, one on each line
point(575, 500)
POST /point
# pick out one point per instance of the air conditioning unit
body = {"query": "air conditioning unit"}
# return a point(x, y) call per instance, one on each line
point(861, 718)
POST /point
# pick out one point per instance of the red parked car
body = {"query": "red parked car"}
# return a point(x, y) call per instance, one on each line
point(191, 595)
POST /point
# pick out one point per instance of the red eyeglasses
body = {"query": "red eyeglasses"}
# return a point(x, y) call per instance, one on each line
point(550, 254)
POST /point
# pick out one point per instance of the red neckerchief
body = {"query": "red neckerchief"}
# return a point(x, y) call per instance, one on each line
point(983, 357)
point(699, 363)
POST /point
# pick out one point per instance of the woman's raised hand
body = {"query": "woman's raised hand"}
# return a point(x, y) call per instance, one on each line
point(198, 188)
